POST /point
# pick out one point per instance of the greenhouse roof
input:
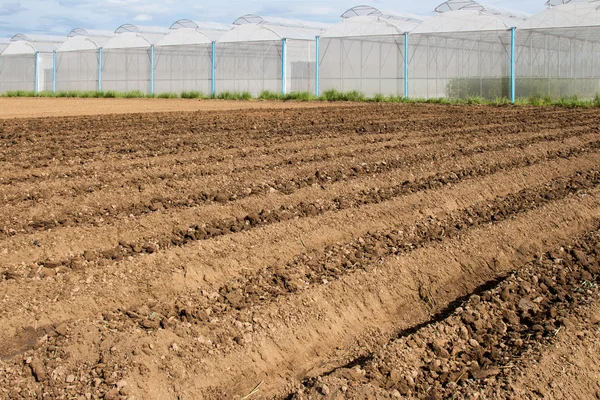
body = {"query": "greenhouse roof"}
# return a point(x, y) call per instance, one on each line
point(574, 14)
point(558, 2)
point(369, 26)
point(363, 11)
point(190, 36)
point(186, 31)
point(262, 32)
point(4, 42)
point(131, 36)
point(202, 26)
point(90, 33)
point(455, 5)
point(142, 29)
point(75, 43)
point(25, 47)
point(462, 21)
point(131, 40)
point(37, 38)
point(280, 22)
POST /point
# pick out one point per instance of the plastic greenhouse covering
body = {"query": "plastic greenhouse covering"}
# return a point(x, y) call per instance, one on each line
point(465, 49)
point(183, 58)
point(23, 57)
point(267, 54)
point(558, 52)
point(127, 58)
point(77, 60)
point(4, 42)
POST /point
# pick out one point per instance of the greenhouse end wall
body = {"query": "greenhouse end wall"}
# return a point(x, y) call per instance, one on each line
point(460, 65)
point(17, 72)
point(77, 70)
point(183, 68)
point(368, 64)
point(301, 59)
point(558, 62)
point(248, 67)
point(125, 70)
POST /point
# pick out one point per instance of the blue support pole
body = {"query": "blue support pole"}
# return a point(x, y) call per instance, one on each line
point(512, 65)
point(212, 73)
point(36, 72)
point(100, 69)
point(152, 69)
point(406, 65)
point(317, 71)
point(283, 66)
point(54, 72)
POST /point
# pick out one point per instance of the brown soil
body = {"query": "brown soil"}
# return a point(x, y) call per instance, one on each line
point(355, 251)
point(32, 107)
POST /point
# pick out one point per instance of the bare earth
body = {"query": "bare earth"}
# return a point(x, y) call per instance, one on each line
point(57, 107)
point(319, 251)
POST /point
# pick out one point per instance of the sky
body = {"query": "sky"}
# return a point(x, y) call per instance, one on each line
point(59, 17)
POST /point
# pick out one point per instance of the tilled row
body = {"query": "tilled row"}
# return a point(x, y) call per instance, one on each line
point(226, 314)
point(190, 199)
point(238, 299)
point(192, 136)
point(221, 227)
point(480, 343)
point(180, 170)
point(388, 119)
point(201, 156)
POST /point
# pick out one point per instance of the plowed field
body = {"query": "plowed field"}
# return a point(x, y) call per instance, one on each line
point(356, 251)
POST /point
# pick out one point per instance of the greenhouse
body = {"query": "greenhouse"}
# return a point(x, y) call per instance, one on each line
point(4, 42)
point(464, 49)
point(128, 58)
point(78, 58)
point(267, 54)
point(365, 52)
point(462, 52)
point(183, 58)
point(558, 52)
point(26, 63)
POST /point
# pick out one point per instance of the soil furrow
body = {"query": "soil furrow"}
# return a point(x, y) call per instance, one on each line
point(475, 345)
point(190, 199)
point(255, 151)
point(338, 251)
point(111, 362)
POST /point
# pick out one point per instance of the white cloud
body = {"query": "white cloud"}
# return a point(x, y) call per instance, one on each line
point(49, 16)
point(142, 18)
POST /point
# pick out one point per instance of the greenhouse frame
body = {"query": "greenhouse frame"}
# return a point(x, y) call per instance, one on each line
point(464, 49)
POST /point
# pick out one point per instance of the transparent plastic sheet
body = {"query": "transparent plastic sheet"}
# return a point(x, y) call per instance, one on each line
point(45, 72)
point(125, 70)
point(460, 65)
point(77, 70)
point(17, 72)
point(248, 67)
point(183, 68)
point(300, 65)
point(558, 62)
point(369, 64)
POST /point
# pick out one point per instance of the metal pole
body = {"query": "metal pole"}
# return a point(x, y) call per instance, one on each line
point(36, 71)
point(406, 65)
point(212, 73)
point(512, 65)
point(54, 72)
point(100, 69)
point(283, 66)
point(152, 69)
point(317, 70)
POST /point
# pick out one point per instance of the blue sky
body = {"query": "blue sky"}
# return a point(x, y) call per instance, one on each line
point(58, 17)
